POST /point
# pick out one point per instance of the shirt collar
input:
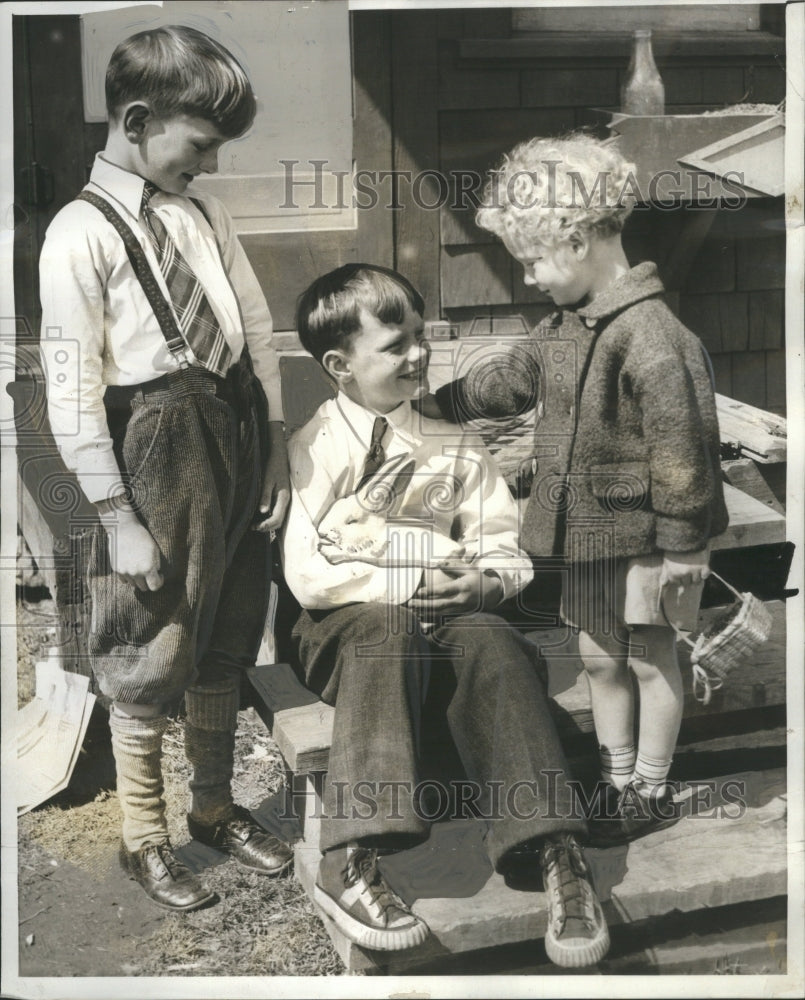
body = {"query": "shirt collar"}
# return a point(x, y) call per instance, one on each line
point(640, 282)
point(123, 185)
point(361, 419)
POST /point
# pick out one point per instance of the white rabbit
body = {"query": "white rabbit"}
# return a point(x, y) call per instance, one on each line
point(360, 526)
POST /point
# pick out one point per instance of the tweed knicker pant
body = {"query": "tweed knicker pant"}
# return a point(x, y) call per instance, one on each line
point(372, 662)
point(191, 455)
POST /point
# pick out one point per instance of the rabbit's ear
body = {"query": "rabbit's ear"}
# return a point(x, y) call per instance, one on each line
point(385, 491)
point(399, 487)
point(378, 486)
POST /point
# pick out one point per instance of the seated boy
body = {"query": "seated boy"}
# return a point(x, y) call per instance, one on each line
point(372, 625)
point(157, 295)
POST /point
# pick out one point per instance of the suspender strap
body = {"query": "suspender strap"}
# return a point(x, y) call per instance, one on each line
point(142, 269)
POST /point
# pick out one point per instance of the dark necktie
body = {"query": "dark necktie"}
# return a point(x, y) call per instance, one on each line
point(376, 455)
point(196, 319)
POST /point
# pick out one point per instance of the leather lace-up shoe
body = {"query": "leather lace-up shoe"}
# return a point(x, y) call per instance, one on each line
point(636, 813)
point(166, 881)
point(248, 843)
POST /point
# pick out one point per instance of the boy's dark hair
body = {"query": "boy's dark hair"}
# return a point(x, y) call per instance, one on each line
point(179, 70)
point(329, 311)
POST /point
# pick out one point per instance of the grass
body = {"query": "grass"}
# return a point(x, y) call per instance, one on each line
point(260, 926)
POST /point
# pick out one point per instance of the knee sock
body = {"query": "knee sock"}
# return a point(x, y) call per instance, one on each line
point(650, 772)
point(617, 765)
point(212, 713)
point(137, 748)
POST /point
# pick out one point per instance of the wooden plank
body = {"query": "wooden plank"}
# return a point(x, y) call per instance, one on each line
point(555, 88)
point(476, 276)
point(722, 371)
point(304, 736)
point(486, 23)
point(462, 86)
point(713, 268)
point(755, 154)
point(706, 85)
point(415, 127)
point(775, 380)
point(749, 381)
point(766, 320)
point(762, 45)
point(701, 313)
point(26, 247)
point(761, 263)
point(478, 139)
point(760, 434)
point(286, 263)
point(625, 17)
point(372, 139)
point(743, 474)
point(744, 939)
point(765, 84)
point(304, 388)
point(58, 120)
point(717, 854)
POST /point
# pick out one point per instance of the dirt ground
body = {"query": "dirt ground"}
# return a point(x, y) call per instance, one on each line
point(81, 916)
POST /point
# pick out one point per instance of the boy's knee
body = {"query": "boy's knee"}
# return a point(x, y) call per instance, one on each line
point(651, 644)
point(385, 623)
point(130, 710)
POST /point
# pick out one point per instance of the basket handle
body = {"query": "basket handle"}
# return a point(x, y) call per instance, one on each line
point(681, 635)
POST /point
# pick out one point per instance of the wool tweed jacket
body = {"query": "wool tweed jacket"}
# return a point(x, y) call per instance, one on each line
point(626, 448)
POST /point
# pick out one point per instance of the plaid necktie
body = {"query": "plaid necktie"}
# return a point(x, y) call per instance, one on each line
point(376, 455)
point(196, 319)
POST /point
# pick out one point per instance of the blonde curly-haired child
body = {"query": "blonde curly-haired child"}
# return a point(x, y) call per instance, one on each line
point(627, 485)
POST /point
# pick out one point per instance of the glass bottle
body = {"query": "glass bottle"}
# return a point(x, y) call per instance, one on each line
point(643, 93)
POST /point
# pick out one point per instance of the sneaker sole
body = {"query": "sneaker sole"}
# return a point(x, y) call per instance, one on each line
point(575, 953)
point(369, 937)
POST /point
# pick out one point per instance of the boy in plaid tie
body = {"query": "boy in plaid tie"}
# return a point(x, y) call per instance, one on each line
point(173, 370)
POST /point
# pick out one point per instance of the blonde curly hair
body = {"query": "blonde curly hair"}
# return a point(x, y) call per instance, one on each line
point(548, 189)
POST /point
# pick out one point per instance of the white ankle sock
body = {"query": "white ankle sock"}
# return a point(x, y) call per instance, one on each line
point(650, 772)
point(617, 765)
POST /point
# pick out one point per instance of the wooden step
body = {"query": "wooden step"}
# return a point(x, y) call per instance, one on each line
point(303, 726)
point(740, 939)
point(718, 854)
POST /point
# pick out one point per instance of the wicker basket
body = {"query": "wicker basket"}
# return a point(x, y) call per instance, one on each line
point(733, 635)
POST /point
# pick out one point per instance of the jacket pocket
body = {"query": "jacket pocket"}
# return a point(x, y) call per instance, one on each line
point(621, 486)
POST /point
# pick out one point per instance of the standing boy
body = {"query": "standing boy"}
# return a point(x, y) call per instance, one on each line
point(156, 292)
point(627, 484)
point(374, 620)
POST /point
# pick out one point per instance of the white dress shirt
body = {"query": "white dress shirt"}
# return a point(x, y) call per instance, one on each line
point(98, 328)
point(455, 491)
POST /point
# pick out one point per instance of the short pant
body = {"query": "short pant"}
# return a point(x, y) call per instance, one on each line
point(599, 596)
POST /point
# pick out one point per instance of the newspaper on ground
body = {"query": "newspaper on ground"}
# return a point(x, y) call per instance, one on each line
point(49, 732)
